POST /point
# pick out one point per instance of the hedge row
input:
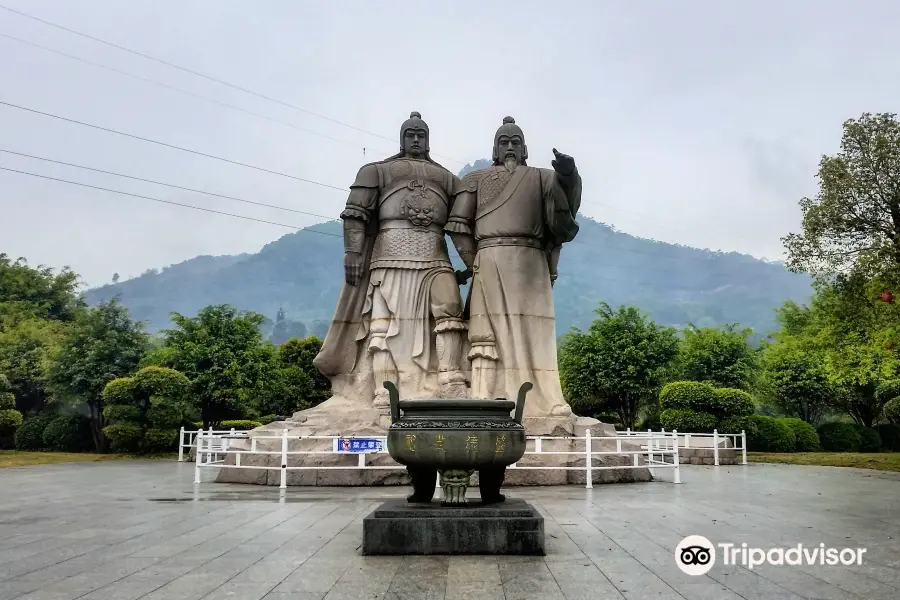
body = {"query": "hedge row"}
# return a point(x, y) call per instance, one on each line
point(787, 434)
point(50, 431)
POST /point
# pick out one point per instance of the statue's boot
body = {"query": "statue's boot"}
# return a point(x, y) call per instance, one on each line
point(383, 365)
point(484, 369)
point(449, 332)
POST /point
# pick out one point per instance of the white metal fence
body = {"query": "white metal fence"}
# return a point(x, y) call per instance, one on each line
point(217, 442)
point(714, 441)
point(659, 450)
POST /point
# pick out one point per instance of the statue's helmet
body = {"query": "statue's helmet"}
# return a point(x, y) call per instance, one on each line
point(415, 122)
point(509, 128)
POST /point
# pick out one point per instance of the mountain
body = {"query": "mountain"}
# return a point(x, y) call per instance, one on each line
point(302, 273)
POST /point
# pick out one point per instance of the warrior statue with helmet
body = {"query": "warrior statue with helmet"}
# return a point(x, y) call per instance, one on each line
point(509, 222)
point(399, 315)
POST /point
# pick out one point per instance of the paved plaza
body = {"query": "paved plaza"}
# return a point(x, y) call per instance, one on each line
point(141, 529)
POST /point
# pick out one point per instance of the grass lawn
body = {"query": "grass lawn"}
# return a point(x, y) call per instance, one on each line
point(887, 461)
point(16, 458)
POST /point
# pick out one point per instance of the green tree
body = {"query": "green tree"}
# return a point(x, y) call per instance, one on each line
point(853, 222)
point(798, 380)
point(25, 355)
point(37, 292)
point(222, 353)
point(617, 364)
point(103, 345)
point(720, 356)
point(300, 352)
point(37, 306)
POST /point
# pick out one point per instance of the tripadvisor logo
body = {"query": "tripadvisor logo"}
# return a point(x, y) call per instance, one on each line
point(696, 555)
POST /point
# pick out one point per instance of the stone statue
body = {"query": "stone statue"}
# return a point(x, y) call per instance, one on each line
point(399, 317)
point(508, 223)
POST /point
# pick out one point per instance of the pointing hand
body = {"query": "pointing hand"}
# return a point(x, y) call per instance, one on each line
point(564, 164)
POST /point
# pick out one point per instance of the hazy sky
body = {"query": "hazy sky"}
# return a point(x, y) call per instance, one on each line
point(697, 122)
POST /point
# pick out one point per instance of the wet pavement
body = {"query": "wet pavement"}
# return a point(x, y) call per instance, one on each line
point(141, 529)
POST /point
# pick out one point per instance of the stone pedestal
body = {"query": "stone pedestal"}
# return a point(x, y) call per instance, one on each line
point(343, 416)
point(399, 528)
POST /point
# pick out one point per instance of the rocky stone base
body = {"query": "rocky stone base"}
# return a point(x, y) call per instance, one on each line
point(340, 416)
point(401, 528)
point(705, 456)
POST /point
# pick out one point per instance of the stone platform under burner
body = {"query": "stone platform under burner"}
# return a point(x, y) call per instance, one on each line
point(398, 527)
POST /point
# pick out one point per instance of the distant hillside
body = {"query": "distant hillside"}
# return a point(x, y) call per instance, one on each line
point(302, 273)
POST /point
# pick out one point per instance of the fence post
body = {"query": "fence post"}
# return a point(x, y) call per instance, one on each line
point(209, 444)
point(537, 445)
point(650, 450)
point(687, 440)
point(744, 446)
point(198, 444)
point(675, 457)
point(437, 487)
point(181, 445)
point(716, 447)
point(628, 431)
point(362, 460)
point(588, 461)
point(284, 449)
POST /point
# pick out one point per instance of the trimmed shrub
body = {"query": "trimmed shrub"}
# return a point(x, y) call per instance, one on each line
point(839, 437)
point(165, 414)
point(733, 403)
point(160, 440)
point(891, 411)
point(10, 419)
point(807, 440)
point(125, 437)
point(771, 436)
point(737, 425)
point(688, 395)
point(890, 436)
point(120, 391)
point(688, 421)
point(241, 425)
point(69, 433)
point(869, 439)
point(30, 434)
point(122, 413)
point(266, 419)
point(888, 390)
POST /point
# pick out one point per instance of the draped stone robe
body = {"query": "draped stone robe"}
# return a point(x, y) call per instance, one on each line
point(404, 254)
point(517, 219)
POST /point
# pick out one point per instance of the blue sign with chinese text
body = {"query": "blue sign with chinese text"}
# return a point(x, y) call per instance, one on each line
point(358, 445)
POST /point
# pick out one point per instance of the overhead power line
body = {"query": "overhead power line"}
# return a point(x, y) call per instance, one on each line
point(207, 77)
point(155, 182)
point(179, 90)
point(171, 185)
point(167, 145)
point(141, 196)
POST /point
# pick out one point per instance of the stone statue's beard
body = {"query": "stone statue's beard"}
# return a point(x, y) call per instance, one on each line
point(510, 163)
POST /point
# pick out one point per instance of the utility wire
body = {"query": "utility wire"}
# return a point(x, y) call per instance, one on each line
point(179, 90)
point(261, 116)
point(578, 261)
point(143, 139)
point(277, 207)
point(208, 210)
point(171, 185)
point(204, 76)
